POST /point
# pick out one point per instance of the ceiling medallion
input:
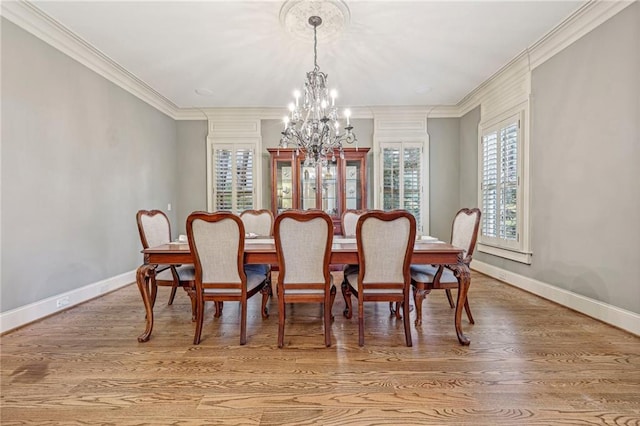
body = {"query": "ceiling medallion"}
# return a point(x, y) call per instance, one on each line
point(294, 18)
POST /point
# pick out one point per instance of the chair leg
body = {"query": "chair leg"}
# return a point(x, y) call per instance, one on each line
point(332, 299)
point(327, 316)
point(407, 322)
point(396, 311)
point(174, 287)
point(346, 293)
point(451, 303)
point(199, 320)
point(281, 318)
point(243, 321)
point(468, 311)
point(218, 312)
point(360, 323)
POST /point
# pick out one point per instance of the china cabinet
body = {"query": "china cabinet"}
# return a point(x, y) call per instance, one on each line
point(333, 188)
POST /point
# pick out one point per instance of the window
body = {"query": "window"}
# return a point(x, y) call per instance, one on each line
point(502, 192)
point(402, 183)
point(233, 177)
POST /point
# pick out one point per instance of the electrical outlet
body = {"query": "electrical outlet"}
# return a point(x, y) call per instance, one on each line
point(169, 207)
point(63, 301)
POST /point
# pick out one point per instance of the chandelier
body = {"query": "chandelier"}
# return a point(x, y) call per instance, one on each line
point(312, 125)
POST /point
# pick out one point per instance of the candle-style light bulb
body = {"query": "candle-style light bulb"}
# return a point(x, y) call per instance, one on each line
point(334, 95)
point(347, 113)
point(285, 120)
point(296, 94)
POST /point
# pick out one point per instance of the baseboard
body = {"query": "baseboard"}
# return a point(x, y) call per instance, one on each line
point(25, 314)
point(621, 318)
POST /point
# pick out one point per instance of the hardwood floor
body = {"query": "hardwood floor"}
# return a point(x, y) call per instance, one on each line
point(530, 362)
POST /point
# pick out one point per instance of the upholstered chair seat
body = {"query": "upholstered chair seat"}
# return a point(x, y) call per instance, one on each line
point(254, 280)
point(426, 274)
point(185, 273)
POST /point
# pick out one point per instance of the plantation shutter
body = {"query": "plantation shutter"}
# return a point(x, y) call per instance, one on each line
point(233, 178)
point(244, 179)
point(500, 185)
point(490, 184)
point(402, 177)
point(509, 182)
point(391, 178)
point(412, 172)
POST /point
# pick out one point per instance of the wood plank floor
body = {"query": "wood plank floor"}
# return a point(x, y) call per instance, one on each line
point(530, 362)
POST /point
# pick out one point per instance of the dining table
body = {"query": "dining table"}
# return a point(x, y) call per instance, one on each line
point(262, 250)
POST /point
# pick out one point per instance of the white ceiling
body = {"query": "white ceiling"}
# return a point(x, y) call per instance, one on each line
point(390, 53)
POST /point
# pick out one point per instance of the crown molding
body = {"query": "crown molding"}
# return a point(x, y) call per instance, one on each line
point(47, 29)
point(444, 111)
point(585, 19)
point(578, 24)
point(190, 114)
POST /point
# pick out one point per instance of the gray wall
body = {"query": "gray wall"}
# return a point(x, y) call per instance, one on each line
point(191, 171)
point(469, 163)
point(79, 157)
point(585, 179)
point(444, 166)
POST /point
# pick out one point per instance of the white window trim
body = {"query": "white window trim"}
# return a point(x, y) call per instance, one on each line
point(522, 253)
point(251, 143)
point(423, 226)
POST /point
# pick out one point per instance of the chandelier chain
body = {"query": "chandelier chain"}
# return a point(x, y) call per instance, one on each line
point(315, 49)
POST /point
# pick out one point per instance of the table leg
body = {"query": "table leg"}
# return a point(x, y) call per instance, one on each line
point(461, 271)
point(145, 280)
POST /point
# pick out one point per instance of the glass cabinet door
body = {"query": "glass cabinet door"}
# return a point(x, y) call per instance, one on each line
point(308, 187)
point(340, 185)
point(353, 185)
point(330, 189)
point(284, 184)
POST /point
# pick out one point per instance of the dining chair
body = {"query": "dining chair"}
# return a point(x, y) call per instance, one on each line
point(217, 244)
point(154, 229)
point(424, 278)
point(348, 223)
point(259, 223)
point(303, 246)
point(385, 245)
